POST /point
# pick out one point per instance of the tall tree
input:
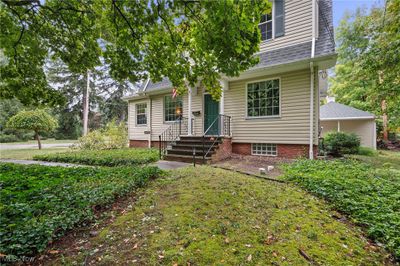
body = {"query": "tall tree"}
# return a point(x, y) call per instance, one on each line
point(187, 41)
point(367, 73)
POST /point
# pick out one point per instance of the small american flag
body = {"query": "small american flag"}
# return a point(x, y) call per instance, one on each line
point(174, 93)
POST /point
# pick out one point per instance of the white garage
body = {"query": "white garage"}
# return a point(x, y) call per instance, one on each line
point(339, 117)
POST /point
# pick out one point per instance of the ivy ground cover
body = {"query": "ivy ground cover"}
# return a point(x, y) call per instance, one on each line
point(118, 157)
point(39, 203)
point(370, 196)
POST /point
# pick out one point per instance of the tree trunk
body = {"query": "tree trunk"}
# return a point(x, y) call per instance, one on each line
point(86, 104)
point(385, 121)
point(38, 140)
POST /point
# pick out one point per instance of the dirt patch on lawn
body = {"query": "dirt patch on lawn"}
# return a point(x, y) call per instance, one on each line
point(252, 164)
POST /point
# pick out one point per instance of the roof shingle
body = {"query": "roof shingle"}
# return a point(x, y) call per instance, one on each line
point(339, 111)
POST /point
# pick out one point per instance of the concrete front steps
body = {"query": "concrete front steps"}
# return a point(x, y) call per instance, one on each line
point(182, 149)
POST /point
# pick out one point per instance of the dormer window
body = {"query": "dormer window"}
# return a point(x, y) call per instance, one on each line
point(266, 27)
point(273, 25)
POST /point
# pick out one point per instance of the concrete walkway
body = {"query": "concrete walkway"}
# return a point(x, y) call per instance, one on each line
point(27, 162)
point(169, 165)
point(33, 146)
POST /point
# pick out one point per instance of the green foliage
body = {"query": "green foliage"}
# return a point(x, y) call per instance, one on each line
point(371, 197)
point(368, 61)
point(119, 157)
point(113, 136)
point(186, 41)
point(36, 120)
point(8, 138)
point(40, 203)
point(365, 151)
point(9, 108)
point(340, 143)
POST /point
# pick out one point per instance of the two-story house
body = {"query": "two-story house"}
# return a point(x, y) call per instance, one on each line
point(271, 109)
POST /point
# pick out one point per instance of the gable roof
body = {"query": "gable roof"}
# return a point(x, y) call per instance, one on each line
point(324, 45)
point(338, 111)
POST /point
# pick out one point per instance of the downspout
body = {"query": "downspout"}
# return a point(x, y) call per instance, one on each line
point(150, 121)
point(311, 148)
point(312, 77)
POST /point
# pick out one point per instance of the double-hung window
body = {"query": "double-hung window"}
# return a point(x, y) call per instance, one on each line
point(265, 27)
point(272, 25)
point(172, 108)
point(141, 114)
point(263, 98)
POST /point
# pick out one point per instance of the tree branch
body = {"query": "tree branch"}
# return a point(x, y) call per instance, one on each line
point(166, 23)
point(125, 18)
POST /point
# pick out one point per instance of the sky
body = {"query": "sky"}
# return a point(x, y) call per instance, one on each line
point(341, 6)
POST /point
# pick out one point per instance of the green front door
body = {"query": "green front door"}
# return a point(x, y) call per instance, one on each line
point(211, 111)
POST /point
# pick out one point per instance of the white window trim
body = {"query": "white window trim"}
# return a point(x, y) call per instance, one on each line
point(267, 155)
point(147, 114)
point(272, 23)
point(163, 107)
point(247, 117)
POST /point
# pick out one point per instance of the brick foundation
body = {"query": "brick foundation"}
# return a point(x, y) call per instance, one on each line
point(241, 148)
point(138, 143)
point(142, 143)
point(223, 151)
point(289, 151)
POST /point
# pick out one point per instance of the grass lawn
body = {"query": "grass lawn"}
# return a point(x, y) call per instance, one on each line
point(118, 157)
point(207, 216)
point(27, 154)
point(47, 141)
point(381, 159)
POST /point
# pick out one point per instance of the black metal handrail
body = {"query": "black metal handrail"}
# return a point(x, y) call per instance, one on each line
point(223, 123)
point(171, 134)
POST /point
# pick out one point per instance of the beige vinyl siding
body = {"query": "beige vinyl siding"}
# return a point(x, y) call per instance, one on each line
point(197, 105)
point(136, 132)
point(362, 128)
point(158, 124)
point(298, 26)
point(292, 127)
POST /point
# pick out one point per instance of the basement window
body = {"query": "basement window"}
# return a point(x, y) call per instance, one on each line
point(265, 149)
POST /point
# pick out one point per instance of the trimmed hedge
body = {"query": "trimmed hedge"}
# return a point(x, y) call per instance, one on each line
point(40, 203)
point(371, 197)
point(120, 157)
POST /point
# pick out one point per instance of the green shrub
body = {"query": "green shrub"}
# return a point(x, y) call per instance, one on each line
point(127, 156)
point(340, 143)
point(113, 136)
point(15, 137)
point(371, 197)
point(367, 151)
point(8, 138)
point(40, 203)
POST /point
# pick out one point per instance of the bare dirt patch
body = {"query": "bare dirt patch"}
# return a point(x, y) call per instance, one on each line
point(251, 164)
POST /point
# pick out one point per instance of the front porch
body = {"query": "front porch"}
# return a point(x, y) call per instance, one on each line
point(180, 143)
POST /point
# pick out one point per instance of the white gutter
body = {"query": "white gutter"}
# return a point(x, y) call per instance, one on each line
point(348, 118)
